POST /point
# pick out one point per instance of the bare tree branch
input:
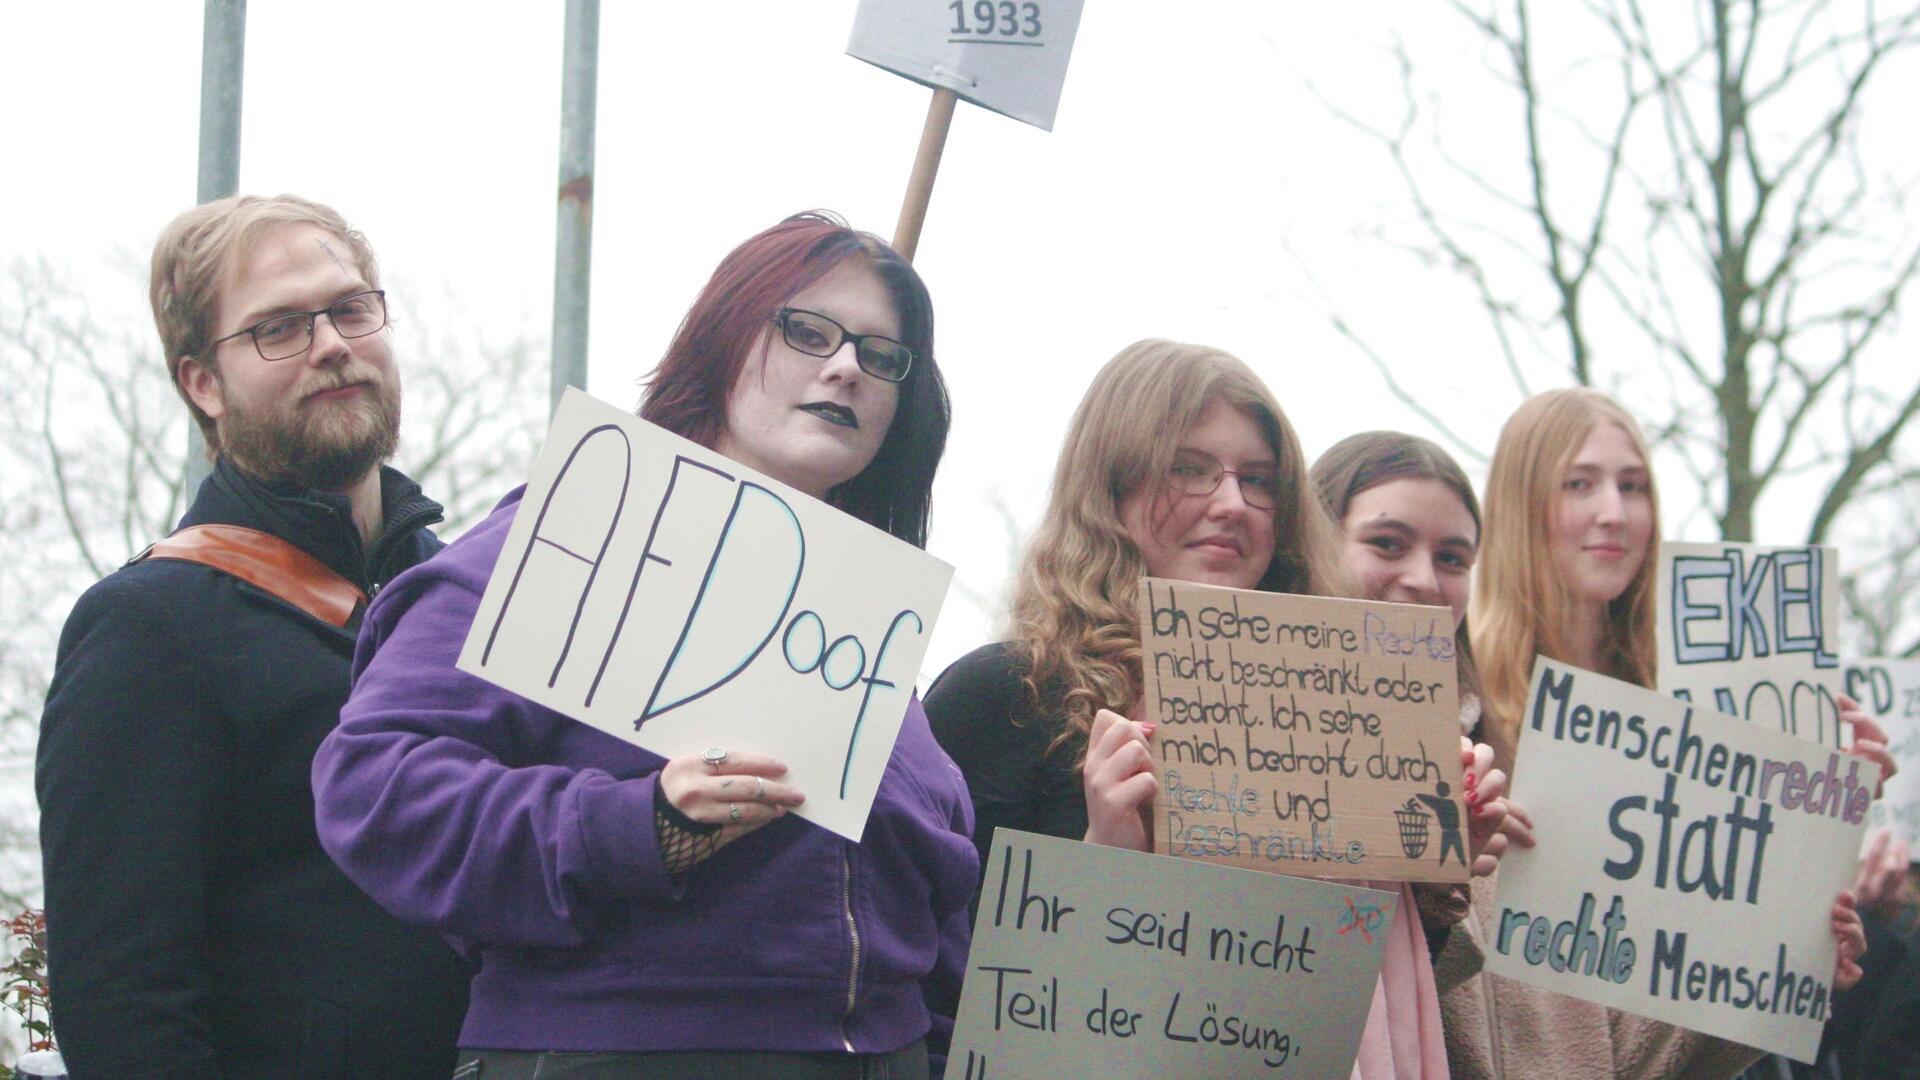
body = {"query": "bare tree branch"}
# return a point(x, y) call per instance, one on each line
point(91, 469)
point(1713, 216)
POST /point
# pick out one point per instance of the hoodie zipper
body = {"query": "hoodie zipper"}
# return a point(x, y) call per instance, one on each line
point(853, 935)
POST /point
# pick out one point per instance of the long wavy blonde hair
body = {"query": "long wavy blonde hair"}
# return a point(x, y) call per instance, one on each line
point(1074, 603)
point(1521, 607)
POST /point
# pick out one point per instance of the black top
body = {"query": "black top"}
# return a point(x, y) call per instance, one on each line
point(984, 718)
point(195, 927)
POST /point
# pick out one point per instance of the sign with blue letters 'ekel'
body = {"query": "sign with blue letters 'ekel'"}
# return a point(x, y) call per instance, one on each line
point(661, 592)
point(1751, 631)
point(1687, 861)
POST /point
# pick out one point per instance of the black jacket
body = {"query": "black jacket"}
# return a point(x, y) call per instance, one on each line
point(194, 925)
point(986, 720)
point(1875, 1032)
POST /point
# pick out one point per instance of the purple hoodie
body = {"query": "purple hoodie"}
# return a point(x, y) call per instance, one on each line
point(529, 838)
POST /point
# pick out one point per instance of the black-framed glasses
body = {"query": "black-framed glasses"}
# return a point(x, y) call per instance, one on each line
point(286, 336)
point(816, 335)
point(1195, 472)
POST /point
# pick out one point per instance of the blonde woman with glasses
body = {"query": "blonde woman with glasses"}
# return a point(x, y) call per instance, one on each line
point(1178, 464)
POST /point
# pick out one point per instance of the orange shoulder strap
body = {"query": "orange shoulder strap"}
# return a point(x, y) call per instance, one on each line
point(269, 563)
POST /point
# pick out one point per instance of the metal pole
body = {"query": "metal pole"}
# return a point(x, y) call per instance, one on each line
point(223, 51)
point(573, 234)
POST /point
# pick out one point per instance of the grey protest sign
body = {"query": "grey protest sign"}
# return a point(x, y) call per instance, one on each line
point(1144, 965)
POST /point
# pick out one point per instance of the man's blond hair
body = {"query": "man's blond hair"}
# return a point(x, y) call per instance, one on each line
point(197, 252)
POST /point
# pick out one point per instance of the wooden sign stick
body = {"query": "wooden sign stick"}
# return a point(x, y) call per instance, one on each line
point(926, 164)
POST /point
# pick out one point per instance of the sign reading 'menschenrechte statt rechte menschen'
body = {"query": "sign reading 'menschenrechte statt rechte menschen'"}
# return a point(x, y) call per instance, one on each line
point(1686, 864)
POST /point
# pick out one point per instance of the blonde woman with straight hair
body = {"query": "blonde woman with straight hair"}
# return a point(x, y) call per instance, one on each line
point(1587, 598)
point(1566, 571)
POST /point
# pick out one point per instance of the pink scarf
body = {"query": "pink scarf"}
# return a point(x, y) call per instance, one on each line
point(1403, 1039)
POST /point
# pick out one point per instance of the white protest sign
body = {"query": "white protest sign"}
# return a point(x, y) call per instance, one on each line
point(1686, 861)
point(1750, 631)
point(1090, 960)
point(1005, 56)
point(1889, 688)
point(660, 592)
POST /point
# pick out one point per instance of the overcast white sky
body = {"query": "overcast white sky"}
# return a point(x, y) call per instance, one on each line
point(1189, 178)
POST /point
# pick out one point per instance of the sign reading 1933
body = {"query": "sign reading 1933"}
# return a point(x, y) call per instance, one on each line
point(1004, 18)
point(939, 43)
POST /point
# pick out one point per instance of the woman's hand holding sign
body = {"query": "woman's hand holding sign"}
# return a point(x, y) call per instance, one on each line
point(1850, 936)
point(1494, 821)
point(714, 798)
point(1880, 883)
point(1869, 739)
point(1120, 782)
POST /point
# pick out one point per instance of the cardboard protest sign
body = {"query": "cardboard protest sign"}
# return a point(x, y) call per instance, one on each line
point(1889, 688)
point(1091, 960)
point(1304, 735)
point(1750, 631)
point(1008, 57)
point(660, 592)
point(1686, 861)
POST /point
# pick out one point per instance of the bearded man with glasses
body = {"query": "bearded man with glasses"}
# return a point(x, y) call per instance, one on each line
point(195, 925)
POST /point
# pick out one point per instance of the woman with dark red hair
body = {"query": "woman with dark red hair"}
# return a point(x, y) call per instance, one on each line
point(635, 916)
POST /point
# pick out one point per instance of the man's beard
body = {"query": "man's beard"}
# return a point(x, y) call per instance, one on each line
point(327, 446)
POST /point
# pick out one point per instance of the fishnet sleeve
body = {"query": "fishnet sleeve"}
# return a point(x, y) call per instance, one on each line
point(684, 842)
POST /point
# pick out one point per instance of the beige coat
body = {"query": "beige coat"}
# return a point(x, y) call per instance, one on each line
point(1504, 1030)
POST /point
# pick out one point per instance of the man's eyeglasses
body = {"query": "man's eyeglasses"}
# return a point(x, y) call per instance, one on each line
point(286, 336)
point(1194, 472)
point(816, 335)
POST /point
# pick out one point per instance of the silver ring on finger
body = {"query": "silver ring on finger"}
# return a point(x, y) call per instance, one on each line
point(715, 756)
point(733, 812)
point(760, 792)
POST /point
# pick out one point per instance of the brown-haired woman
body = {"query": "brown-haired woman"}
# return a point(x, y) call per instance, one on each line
point(1410, 530)
point(1411, 527)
